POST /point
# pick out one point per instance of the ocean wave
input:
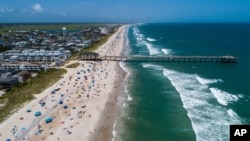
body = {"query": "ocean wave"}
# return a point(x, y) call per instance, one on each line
point(166, 51)
point(152, 66)
point(231, 113)
point(129, 98)
point(141, 41)
point(223, 97)
point(126, 89)
point(151, 39)
point(152, 50)
point(205, 81)
point(137, 33)
point(122, 65)
point(114, 132)
point(207, 119)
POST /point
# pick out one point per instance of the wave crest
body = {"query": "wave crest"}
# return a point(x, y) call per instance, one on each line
point(151, 39)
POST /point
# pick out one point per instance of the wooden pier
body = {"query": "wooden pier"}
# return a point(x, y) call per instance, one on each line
point(161, 58)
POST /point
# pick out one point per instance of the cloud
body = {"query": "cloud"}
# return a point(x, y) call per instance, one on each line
point(5, 9)
point(64, 14)
point(37, 8)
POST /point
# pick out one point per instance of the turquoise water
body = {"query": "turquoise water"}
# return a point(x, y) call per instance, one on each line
point(186, 101)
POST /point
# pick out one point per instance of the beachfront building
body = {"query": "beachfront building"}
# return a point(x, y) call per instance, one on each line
point(104, 30)
point(23, 66)
point(32, 55)
point(23, 76)
point(9, 82)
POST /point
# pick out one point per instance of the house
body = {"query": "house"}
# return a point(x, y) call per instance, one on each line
point(104, 30)
point(23, 76)
point(9, 82)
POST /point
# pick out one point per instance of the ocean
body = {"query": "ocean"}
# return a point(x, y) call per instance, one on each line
point(185, 101)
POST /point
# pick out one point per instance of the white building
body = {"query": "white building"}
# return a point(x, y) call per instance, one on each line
point(104, 30)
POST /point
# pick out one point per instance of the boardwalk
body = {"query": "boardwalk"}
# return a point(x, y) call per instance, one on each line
point(162, 58)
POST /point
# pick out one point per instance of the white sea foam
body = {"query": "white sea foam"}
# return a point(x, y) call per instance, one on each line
point(129, 98)
point(114, 132)
point(139, 37)
point(141, 41)
point(122, 65)
point(151, 39)
point(205, 81)
point(126, 89)
point(156, 67)
point(208, 119)
point(137, 33)
point(152, 50)
point(223, 97)
point(166, 51)
point(231, 113)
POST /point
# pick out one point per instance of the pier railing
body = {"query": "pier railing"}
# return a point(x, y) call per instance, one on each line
point(162, 58)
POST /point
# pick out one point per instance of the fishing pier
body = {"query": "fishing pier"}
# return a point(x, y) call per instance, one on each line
point(159, 58)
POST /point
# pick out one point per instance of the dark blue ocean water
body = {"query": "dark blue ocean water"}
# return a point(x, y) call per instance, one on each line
point(186, 101)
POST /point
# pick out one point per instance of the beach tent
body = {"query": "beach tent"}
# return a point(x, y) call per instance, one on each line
point(48, 119)
point(38, 113)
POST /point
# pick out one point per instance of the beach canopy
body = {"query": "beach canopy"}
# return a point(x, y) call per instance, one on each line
point(38, 113)
point(48, 119)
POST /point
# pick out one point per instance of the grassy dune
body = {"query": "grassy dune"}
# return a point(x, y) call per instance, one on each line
point(24, 91)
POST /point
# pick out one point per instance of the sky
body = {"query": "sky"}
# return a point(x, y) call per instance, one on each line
point(22, 11)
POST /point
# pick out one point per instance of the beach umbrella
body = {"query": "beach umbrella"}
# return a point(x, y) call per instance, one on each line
point(8, 139)
point(38, 113)
point(48, 119)
point(65, 106)
point(60, 102)
point(28, 110)
point(23, 129)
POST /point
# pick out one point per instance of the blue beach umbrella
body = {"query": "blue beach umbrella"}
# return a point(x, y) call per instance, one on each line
point(65, 106)
point(38, 113)
point(60, 102)
point(48, 119)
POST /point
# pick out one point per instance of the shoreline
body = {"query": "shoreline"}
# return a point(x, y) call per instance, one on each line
point(113, 110)
point(85, 102)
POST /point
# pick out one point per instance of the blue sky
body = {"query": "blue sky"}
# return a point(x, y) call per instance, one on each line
point(124, 11)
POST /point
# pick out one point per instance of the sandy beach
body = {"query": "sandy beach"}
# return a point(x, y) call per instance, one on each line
point(81, 106)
